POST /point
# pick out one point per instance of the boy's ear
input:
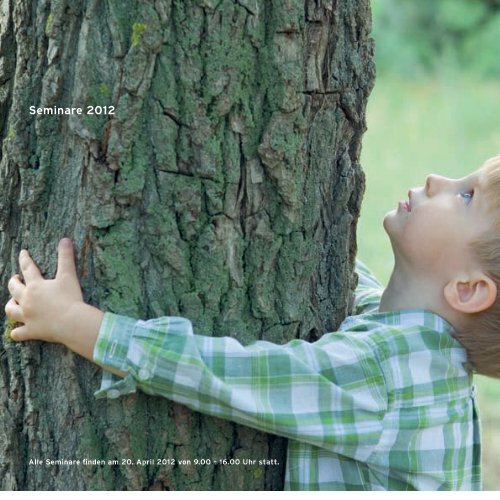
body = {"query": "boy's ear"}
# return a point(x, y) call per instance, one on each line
point(473, 296)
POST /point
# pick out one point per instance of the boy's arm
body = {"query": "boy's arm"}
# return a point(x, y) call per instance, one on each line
point(330, 394)
point(368, 292)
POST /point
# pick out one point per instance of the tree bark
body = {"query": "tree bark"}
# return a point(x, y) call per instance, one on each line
point(225, 188)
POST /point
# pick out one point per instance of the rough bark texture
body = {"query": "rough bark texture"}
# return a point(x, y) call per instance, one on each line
point(225, 188)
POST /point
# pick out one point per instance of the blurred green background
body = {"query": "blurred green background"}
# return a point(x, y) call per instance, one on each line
point(435, 109)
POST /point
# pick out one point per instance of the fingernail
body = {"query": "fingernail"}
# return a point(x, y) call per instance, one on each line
point(66, 242)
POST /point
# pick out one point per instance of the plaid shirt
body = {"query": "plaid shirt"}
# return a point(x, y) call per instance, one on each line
point(383, 404)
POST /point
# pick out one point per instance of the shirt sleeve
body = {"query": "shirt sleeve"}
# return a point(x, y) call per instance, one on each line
point(368, 292)
point(330, 394)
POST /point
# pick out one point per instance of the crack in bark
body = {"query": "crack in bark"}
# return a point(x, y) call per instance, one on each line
point(174, 118)
point(318, 92)
point(246, 7)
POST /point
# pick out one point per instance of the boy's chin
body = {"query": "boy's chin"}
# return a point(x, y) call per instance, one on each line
point(392, 227)
point(388, 221)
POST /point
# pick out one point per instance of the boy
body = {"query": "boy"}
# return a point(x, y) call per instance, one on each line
point(386, 403)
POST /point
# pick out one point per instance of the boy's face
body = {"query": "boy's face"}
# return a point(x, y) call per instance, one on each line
point(431, 231)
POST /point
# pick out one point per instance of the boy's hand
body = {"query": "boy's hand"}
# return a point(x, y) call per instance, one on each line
point(45, 307)
point(53, 310)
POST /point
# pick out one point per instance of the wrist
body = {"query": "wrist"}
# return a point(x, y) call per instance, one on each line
point(80, 327)
point(65, 326)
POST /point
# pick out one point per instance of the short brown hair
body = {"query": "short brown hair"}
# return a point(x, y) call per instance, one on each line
point(482, 341)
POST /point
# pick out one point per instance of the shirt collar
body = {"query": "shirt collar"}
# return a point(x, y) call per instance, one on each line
point(404, 317)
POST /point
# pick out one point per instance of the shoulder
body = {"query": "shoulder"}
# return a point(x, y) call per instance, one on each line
point(421, 361)
point(368, 291)
point(365, 277)
point(424, 366)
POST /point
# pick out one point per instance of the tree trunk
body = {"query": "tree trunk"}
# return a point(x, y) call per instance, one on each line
point(224, 188)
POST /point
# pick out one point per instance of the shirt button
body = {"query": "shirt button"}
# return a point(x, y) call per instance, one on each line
point(144, 374)
point(113, 393)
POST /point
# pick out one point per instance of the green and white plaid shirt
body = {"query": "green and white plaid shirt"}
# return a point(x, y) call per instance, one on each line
point(383, 404)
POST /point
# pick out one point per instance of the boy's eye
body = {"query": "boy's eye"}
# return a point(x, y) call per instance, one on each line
point(467, 196)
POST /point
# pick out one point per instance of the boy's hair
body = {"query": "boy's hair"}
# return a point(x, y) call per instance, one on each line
point(482, 341)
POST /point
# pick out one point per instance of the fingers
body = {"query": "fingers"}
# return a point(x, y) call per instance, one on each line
point(13, 311)
point(16, 287)
point(20, 333)
point(66, 260)
point(28, 267)
point(65, 263)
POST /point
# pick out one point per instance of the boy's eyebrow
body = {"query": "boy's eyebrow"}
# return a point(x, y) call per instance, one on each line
point(483, 188)
point(484, 182)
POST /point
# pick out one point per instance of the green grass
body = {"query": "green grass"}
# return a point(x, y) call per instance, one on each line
point(447, 126)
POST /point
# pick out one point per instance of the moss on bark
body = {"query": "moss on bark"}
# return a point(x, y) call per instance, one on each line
point(225, 187)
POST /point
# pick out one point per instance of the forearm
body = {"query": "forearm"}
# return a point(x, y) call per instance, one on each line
point(81, 329)
point(290, 390)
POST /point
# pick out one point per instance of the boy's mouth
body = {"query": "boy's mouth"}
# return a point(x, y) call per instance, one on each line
point(408, 203)
point(406, 206)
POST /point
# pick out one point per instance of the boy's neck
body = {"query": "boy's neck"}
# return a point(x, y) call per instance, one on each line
point(410, 290)
point(398, 294)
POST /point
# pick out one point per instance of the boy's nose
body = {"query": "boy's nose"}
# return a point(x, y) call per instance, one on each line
point(434, 183)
